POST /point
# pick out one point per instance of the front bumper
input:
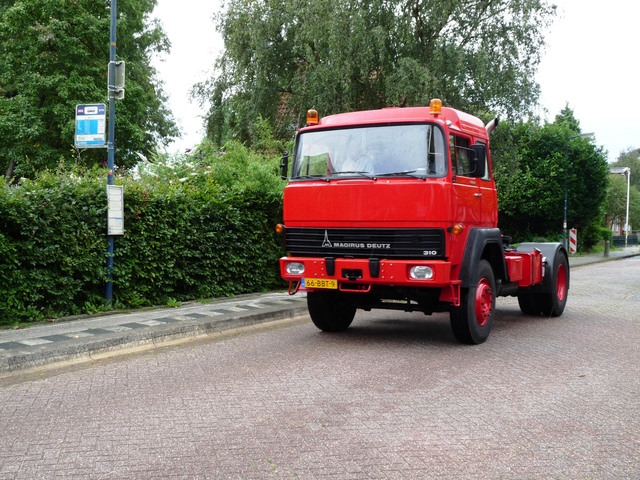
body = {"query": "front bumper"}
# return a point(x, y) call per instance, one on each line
point(351, 272)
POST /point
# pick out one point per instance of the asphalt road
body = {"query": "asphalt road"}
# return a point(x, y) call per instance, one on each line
point(393, 397)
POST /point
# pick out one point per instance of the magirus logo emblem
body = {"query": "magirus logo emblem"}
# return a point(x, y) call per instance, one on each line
point(326, 243)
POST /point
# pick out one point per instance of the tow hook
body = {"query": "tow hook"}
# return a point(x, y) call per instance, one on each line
point(292, 290)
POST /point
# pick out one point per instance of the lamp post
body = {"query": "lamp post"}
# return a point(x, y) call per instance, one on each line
point(566, 183)
point(626, 220)
point(626, 171)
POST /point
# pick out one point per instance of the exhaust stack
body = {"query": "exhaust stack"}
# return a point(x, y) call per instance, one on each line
point(491, 125)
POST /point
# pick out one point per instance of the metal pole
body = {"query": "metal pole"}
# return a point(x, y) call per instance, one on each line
point(108, 290)
point(626, 222)
point(566, 181)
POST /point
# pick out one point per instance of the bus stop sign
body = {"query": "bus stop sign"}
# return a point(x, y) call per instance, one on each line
point(91, 122)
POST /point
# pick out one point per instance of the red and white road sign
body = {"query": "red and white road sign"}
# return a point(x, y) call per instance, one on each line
point(573, 240)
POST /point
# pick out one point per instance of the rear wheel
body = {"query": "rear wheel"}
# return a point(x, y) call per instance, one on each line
point(471, 322)
point(528, 303)
point(330, 311)
point(552, 303)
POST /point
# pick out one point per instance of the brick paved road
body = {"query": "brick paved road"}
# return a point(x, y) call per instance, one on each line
point(394, 397)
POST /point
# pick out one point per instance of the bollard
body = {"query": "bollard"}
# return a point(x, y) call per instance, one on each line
point(606, 248)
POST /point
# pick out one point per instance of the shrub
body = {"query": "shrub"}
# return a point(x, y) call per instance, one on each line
point(195, 226)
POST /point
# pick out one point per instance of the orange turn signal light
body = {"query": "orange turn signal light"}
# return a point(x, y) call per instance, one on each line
point(279, 228)
point(456, 229)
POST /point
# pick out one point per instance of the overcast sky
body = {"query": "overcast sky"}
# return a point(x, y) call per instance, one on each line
point(591, 63)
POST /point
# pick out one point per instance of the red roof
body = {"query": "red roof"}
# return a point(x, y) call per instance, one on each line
point(461, 120)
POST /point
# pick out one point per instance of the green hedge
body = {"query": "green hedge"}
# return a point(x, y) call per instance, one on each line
point(195, 227)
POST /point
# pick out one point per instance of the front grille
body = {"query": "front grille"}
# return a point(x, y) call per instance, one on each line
point(405, 243)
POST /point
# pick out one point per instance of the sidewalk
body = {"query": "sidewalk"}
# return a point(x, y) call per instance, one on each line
point(617, 254)
point(80, 337)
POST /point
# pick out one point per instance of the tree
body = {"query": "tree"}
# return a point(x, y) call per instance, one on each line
point(616, 206)
point(617, 195)
point(532, 174)
point(285, 56)
point(53, 56)
point(567, 118)
point(630, 158)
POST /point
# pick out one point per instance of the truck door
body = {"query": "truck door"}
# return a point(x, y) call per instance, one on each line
point(467, 195)
point(489, 195)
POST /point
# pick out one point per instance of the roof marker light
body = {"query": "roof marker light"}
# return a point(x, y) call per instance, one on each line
point(312, 117)
point(435, 106)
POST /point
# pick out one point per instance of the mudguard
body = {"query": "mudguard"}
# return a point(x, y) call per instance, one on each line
point(482, 243)
point(549, 251)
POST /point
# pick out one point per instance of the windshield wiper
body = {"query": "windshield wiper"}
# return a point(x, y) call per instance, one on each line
point(396, 174)
point(357, 172)
point(404, 173)
point(317, 175)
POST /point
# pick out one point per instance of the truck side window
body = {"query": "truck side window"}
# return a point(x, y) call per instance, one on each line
point(460, 155)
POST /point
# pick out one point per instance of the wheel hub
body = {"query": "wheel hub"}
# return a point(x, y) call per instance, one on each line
point(561, 283)
point(484, 302)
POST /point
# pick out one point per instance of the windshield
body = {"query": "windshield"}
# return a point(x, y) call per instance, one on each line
point(398, 150)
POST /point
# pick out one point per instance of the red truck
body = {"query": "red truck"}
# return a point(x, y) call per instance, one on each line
point(397, 209)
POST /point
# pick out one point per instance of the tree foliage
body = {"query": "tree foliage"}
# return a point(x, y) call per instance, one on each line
point(53, 56)
point(630, 158)
point(617, 193)
point(285, 56)
point(616, 207)
point(534, 164)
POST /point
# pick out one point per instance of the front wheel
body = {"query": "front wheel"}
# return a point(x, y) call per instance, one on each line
point(330, 311)
point(471, 322)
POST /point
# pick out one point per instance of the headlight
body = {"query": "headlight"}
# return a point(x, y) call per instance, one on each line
point(295, 268)
point(421, 273)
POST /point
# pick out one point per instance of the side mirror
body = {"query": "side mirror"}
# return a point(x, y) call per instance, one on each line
point(284, 165)
point(479, 161)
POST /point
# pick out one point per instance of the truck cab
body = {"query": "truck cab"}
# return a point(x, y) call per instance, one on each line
point(397, 209)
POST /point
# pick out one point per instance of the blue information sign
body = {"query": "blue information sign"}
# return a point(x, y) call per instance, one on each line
point(91, 122)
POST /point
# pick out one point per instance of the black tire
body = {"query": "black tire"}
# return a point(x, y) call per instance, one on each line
point(528, 303)
point(552, 304)
point(330, 311)
point(471, 322)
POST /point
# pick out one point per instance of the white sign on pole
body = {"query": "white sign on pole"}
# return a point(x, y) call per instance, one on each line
point(91, 123)
point(115, 199)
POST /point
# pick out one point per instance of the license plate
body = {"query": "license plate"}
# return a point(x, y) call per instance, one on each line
point(319, 283)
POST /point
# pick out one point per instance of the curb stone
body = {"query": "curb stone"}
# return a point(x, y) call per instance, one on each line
point(75, 338)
